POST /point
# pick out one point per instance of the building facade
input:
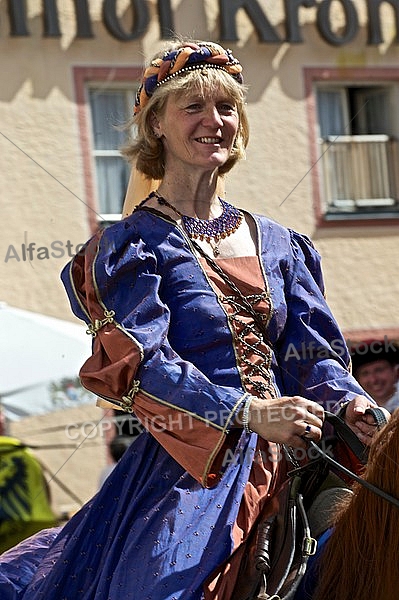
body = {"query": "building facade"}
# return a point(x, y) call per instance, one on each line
point(323, 102)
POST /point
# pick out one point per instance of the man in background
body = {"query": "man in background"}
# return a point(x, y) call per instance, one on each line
point(375, 364)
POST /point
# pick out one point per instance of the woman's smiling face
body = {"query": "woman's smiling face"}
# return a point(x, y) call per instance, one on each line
point(198, 130)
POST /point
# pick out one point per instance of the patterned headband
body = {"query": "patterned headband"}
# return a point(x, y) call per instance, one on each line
point(184, 59)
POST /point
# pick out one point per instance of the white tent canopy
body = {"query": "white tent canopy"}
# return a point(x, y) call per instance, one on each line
point(40, 358)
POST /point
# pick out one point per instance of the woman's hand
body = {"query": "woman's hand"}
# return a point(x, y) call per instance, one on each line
point(363, 425)
point(286, 420)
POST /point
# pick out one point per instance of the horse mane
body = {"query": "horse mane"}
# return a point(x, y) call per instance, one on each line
point(360, 560)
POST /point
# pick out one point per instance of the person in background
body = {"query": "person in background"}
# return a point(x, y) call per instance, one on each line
point(194, 305)
point(25, 503)
point(127, 428)
point(375, 364)
point(117, 448)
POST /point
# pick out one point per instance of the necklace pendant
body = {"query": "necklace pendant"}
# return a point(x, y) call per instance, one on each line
point(216, 251)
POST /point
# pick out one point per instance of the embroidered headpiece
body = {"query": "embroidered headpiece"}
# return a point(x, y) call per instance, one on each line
point(184, 59)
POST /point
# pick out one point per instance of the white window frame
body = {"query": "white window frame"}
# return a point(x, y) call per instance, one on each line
point(129, 88)
point(357, 208)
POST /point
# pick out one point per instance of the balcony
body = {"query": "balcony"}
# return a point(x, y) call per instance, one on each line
point(360, 176)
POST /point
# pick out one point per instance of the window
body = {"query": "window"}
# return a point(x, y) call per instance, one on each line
point(358, 149)
point(110, 109)
point(104, 101)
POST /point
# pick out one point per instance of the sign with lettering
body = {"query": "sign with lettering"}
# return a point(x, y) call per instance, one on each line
point(255, 10)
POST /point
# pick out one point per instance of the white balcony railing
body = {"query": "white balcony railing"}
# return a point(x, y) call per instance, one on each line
point(360, 174)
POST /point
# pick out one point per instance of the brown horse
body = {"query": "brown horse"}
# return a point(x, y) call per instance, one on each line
point(360, 560)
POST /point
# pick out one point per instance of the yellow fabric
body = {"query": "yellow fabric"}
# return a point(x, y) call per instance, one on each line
point(139, 187)
point(24, 501)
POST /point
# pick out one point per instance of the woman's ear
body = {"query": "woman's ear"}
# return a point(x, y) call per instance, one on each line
point(156, 128)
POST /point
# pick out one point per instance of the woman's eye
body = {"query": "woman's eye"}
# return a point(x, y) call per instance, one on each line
point(223, 107)
point(226, 107)
point(193, 107)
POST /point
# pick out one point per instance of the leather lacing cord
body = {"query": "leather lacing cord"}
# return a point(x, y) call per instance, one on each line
point(258, 319)
point(243, 303)
point(263, 387)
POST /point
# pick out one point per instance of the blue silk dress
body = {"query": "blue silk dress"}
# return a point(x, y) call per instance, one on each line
point(171, 342)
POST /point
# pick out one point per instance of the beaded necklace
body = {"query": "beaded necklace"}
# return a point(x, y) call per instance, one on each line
point(212, 230)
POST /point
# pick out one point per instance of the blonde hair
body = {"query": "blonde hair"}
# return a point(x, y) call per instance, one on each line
point(147, 151)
